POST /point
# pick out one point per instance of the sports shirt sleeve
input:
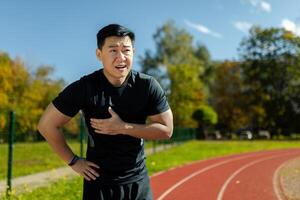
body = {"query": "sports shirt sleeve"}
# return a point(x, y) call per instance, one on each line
point(157, 98)
point(71, 99)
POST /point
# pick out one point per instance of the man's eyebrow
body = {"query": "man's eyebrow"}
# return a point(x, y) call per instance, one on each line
point(115, 45)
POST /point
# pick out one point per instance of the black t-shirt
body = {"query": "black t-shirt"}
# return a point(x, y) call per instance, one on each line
point(120, 157)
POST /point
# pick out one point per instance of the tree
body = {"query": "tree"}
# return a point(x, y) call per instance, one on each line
point(6, 77)
point(228, 99)
point(37, 94)
point(205, 116)
point(186, 94)
point(271, 73)
point(26, 93)
point(176, 66)
point(209, 67)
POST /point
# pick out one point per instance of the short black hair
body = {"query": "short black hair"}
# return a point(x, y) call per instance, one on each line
point(113, 30)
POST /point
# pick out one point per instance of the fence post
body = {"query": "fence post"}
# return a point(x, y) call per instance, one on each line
point(11, 131)
point(81, 134)
point(153, 146)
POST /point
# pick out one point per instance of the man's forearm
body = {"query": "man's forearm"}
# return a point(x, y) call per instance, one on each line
point(58, 143)
point(160, 126)
point(147, 131)
point(49, 126)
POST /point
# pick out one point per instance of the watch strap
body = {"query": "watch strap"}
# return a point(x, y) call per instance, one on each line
point(74, 160)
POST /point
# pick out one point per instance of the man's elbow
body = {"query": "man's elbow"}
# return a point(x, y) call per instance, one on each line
point(44, 127)
point(41, 128)
point(168, 133)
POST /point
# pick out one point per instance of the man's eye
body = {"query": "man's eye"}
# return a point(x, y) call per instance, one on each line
point(127, 51)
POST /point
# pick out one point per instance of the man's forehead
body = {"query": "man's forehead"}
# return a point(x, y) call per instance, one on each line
point(117, 41)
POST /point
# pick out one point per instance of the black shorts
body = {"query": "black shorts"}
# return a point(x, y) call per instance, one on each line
point(139, 190)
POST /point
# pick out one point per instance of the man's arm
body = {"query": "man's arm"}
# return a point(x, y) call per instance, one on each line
point(50, 123)
point(159, 127)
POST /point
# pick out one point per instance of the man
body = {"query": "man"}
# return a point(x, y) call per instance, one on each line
point(115, 101)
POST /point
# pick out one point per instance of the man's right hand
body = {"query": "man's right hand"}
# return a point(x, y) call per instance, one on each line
point(85, 169)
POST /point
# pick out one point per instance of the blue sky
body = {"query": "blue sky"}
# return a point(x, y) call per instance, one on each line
point(62, 33)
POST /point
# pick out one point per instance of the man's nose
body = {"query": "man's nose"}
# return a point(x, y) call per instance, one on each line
point(121, 56)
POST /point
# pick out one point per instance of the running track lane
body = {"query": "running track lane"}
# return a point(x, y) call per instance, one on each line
point(241, 176)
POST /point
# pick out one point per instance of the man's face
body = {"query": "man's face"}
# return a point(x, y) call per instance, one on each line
point(116, 56)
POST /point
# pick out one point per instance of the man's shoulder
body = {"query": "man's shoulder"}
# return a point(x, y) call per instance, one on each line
point(92, 76)
point(86, 82)
point(139, 76)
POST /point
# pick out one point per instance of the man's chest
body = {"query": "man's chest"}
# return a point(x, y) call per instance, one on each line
point(130, 104)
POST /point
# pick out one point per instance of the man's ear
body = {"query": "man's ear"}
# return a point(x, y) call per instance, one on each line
point(99, 54)
point(133, 49)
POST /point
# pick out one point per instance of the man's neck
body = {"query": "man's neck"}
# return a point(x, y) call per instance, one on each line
point(114, 81)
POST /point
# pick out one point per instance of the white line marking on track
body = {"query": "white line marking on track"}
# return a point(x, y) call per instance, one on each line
point(201, 171)
point(276, 183)
point(223, 188)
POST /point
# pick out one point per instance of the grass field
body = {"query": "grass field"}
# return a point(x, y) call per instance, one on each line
point(30, 158)
point(34, 157)
point(176, 156)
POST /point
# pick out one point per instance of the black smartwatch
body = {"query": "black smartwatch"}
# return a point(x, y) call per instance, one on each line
point(74, 160)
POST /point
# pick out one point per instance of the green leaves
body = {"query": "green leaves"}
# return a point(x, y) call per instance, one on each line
point(271, 71)
point(228, 99)
point(178, 65)
point(26, 93)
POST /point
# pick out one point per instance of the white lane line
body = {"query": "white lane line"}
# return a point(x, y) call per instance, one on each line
point(201, 171)
point(214, 158)
point(276, 183)
point(225, 185)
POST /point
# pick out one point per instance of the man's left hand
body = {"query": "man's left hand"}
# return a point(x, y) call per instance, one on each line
point(110, 126)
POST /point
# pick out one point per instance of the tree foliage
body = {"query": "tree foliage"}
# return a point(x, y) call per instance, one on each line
point(186, 92)
point(271, 73)
point(205, 115)
point(176, 66)
point(27, 93)
point(228, 99)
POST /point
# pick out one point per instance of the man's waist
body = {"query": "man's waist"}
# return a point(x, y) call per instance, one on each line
point(114, 174)
point(116, 161)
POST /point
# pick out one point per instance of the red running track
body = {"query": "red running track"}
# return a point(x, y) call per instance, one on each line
point(249, 176)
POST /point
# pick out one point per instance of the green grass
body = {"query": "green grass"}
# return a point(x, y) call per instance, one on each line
point(31, 158)
point(34, 157)
point(176, 156)
point(63, 189)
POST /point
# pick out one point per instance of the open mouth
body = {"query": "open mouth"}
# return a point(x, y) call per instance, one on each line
point(121, 67)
